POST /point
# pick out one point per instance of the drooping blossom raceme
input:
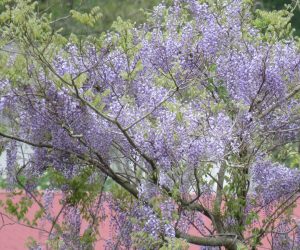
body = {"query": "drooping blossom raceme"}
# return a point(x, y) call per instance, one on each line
point(11, 161)
point(73, 223)
point(274, 181)
point(281, 239)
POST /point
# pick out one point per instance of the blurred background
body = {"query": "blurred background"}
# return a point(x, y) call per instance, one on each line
point(127, 9)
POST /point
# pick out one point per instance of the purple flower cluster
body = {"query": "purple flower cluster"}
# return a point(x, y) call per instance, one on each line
point(71, 236)
point(11, 163)
point(281, 239)
point(271, 182)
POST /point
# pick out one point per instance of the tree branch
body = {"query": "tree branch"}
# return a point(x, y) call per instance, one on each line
point(225, 241)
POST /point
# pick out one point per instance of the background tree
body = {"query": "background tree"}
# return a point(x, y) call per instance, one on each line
point(178, 119)
point(128, 9)
point(278, 5)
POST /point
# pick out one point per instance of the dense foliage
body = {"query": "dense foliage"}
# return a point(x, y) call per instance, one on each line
point(170, 125)
point(278, 5)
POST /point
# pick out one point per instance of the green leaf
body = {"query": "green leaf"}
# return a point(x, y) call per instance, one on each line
point(80, 80)
point(89, 19)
